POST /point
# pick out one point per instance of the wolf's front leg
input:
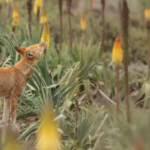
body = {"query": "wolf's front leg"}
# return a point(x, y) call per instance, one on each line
point(14, 106)
point(6, 111)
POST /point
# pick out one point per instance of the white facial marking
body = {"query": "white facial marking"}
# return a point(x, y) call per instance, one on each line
point(43, 49)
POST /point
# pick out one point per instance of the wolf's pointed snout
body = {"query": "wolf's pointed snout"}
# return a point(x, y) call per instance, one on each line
point(42, 44)
point(43, 47)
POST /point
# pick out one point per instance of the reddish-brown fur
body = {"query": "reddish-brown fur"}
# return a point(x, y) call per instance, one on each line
point(13, 79)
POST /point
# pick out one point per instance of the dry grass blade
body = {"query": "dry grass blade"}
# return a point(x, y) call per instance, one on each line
point(7, 12)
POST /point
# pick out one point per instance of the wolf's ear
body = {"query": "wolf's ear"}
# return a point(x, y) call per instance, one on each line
point(20, 50)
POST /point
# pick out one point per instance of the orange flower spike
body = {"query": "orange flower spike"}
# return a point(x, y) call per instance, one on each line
point(83, 22)
point(15, 12)
point(147, 14)
point(15, 21)
point(92, 2)
point(117, 54)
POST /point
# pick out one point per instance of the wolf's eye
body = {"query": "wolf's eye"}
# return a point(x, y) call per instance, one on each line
point(30, 54)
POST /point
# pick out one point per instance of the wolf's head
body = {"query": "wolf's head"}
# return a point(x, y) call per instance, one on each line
point(32, 53)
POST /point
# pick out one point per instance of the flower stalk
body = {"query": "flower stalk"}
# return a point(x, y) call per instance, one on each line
point(29, 7)
point(61, 22)
point(124, 28)
point(103, 28)
point(7, 12)
point(1, 4)
point(147, 17)
point(38, 17)
point(91, 10)
point(117, 89)
point(69, 20)
point(76, 112)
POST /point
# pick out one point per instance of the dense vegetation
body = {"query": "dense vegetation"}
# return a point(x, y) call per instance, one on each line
point(79, 80)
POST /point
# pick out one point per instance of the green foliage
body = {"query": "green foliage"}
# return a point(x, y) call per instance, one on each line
point(61, 78)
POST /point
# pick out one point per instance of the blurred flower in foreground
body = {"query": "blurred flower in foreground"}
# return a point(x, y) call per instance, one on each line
point(15, 16)
point(48, 137)
point(83, 22)
point(44, 16)
point(10, 141)
point(10, 1)
point(117, 54)
point(46, 35)
point(147, 14)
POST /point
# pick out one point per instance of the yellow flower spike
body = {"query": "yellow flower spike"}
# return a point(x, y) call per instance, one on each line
point(46, 35)
point(15, 12)
point(44, 16)
point(83, 22)
point(147, 14)
point(10, 1)
point(48, 137)
point(15, 16)
point(35, 9)
point(38, 3)
point(117, 54)
point(10, 141)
